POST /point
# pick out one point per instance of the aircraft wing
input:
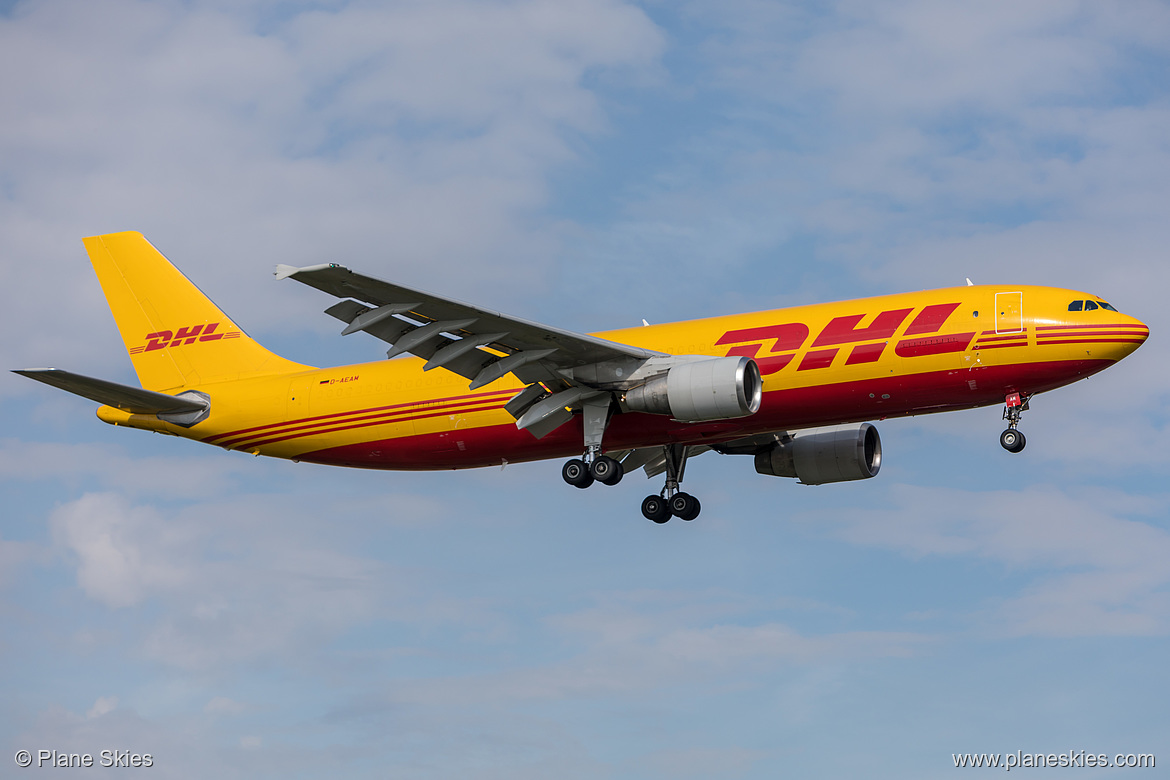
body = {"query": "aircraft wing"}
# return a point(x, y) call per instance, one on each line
point(479, 344)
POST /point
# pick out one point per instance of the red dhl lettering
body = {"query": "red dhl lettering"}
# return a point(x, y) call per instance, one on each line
point(786, 337)
point(844, 330)
point(157, 340)
point(821, 358)
point(790, 337)
point(930, 319)
point(188, 334)
point(866, 353)
point(209, 335)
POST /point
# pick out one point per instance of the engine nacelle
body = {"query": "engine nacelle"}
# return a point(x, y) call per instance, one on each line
point(717, 389)
point(818, 456)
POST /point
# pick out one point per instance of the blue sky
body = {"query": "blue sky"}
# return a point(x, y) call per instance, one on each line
point(585, 164)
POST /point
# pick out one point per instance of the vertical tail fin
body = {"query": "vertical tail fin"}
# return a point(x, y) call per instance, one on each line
point(175, 335)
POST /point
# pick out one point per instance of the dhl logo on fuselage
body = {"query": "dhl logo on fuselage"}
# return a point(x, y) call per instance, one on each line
point(185, 335)
point(868, 343)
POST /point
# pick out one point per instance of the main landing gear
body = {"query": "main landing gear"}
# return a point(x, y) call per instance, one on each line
point(582, 473)
point(1013, 440)
point(672, 501)
point(594, 467)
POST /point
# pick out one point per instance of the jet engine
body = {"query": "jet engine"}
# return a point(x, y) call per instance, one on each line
point(818, 456)
point(716, 389)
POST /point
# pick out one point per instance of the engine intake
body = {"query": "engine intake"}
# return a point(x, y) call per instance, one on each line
point(818, 456)
point(717, 389)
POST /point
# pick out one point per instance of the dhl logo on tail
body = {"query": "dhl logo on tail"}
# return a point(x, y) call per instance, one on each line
point(186, 335)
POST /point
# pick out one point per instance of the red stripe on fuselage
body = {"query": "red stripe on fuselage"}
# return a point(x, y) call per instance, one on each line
point(361, 421)
point(1077, 333)
point(1013, 337)
point(1093, 341)
point(982, 346)
point(327, 418)
point(349, 427)
point(1094, 325)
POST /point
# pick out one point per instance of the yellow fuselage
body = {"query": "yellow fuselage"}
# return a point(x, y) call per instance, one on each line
point(850, 361)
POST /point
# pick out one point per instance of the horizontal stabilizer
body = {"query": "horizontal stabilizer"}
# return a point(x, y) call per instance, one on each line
point(134, 400)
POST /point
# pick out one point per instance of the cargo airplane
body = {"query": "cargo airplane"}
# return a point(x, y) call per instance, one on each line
point(792, 388)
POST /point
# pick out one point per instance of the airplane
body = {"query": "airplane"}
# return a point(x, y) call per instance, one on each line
point(470, 387)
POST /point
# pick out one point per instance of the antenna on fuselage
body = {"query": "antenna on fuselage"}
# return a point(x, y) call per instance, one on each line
point(969, 282)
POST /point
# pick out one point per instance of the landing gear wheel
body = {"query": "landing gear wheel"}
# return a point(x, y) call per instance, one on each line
point(654, 508)
point(684, 506)
point(576, 473)
point(1012, 440)
point(606, 470)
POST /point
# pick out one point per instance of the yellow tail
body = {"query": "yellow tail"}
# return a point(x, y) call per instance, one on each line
point(175, 335)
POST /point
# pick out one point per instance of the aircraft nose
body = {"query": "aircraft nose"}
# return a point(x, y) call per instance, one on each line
point(1131, 335)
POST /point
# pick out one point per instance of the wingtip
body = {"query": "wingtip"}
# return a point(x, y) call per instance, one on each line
point(284, 271)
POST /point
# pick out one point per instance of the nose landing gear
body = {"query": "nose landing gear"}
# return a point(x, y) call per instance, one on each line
point(1011, 439)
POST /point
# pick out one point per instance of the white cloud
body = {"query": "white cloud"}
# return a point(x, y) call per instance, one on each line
point(249, 577)
point(1093, 571)
point(104, 705)
point(125, 553)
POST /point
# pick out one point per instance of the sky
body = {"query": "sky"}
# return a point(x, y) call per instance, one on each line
point(586, 164)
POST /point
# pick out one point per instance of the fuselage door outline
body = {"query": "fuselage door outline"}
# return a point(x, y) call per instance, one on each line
point(1009, 312)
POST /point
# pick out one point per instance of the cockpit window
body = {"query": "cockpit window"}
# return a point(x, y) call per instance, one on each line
point(1076, 305)
point(1107, 306)
point(1090, 306)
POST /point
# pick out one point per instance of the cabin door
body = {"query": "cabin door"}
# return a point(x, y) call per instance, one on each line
point(1009, 312)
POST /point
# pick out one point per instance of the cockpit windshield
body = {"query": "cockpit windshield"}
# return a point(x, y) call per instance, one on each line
point(1090, 306)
